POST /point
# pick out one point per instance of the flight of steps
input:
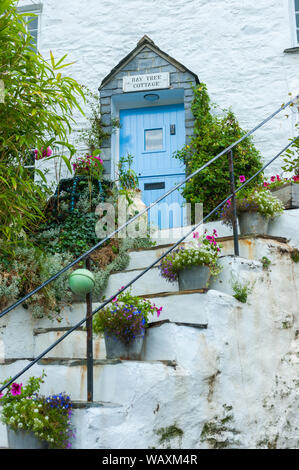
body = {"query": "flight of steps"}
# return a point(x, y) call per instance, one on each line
point(199, 337)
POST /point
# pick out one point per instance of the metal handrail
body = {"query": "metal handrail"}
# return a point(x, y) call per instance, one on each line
point(88, 252)
point(81, 322)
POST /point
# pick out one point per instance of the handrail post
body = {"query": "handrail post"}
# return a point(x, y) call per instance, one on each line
point(89, 344)
point(232, 187)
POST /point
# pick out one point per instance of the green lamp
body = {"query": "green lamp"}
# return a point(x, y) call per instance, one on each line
point(81, 281)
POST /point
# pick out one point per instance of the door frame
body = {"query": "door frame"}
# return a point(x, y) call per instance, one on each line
point(136, 100)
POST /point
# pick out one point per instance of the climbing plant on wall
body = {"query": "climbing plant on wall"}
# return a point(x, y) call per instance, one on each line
point(212, 134)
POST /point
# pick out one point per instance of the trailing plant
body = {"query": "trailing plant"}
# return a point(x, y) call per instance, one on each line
point(90, 165)
point(260, 200)
point(295, 255)
point(291, 156)
point(168, 433)
point(204, 250)
point(49, 418)
point(212, 134)
point(126, 317)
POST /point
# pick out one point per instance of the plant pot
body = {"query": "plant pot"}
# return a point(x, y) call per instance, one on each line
point(288, 194)
point(193, 278)
point(116, 349)
point(253, 223)
point(20, 439)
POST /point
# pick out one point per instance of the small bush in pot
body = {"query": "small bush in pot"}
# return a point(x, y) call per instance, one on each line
point(203, 252)
point(123, 323)
point(47, 419)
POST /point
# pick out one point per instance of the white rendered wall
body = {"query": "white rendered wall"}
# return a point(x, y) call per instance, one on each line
point(235, 47)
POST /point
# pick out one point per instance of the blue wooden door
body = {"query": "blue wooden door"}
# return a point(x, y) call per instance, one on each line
point(152, 135)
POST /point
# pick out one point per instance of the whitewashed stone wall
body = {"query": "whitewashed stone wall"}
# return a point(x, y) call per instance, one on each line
point(235, 47)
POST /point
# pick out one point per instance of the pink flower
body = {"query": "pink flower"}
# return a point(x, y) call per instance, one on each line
point(272, 178)
point(1, 395)
point(16, 389)
point(228, 202)
point(159, 310)
point(266, 184)
point(215, 233)
point(195, 235)
point(278, 177)
point(242, 178)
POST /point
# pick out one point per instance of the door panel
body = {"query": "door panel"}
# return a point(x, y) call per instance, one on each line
point(152, 135)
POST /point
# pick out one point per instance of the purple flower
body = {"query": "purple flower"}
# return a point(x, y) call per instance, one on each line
point(242, 178)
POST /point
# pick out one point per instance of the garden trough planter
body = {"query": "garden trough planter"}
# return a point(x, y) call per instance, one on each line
point(193, 278)
point(24, 440)
point(289, 195)
point(116, 349)
point(253, 223)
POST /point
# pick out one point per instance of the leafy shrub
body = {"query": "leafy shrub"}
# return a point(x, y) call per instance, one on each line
point(212, 134)
point(125, 317)
point(49, 418)
point(204, 251)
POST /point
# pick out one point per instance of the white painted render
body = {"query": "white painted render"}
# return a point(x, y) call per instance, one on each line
point(212, 352)
point(235, 47)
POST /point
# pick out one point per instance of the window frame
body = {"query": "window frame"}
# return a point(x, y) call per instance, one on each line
point(34, 10)
point(294, 27)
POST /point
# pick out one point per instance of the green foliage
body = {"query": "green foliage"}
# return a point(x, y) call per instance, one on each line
point(265, 262)
point(37, 112)
point(168, 433)
point(218, 432)
point(241, 291)
point(291, 156)
point(23, 408)
point(212, 134)
point(26, 270)
point(125, 317)
point(295, 255)
point(95, 132)
point(126, 176)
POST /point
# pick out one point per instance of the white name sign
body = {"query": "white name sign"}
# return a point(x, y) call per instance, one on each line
point(150, 81)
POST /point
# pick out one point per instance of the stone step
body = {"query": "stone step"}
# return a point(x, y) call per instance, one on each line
point(115, 381)
point(74, 345)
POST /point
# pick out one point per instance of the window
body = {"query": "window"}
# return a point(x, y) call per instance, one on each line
point(297, 19)
point(32, 20)
point(153, 140)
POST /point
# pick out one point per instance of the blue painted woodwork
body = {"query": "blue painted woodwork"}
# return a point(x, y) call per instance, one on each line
point(146, 133)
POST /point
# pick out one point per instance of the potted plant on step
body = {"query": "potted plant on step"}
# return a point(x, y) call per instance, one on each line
point(285, 189)
point(34, 421)
point(254, 210)
point(123, 323)
point(193, 265)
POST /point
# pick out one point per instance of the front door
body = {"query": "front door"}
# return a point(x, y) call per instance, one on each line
point(152, 135)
